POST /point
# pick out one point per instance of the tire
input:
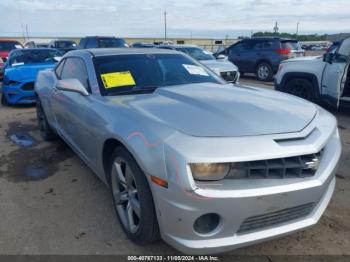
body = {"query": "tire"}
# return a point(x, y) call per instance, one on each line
point(46, 131)
point(132, 198)
point(264, 72)
point(4, 101)
point(302, 88)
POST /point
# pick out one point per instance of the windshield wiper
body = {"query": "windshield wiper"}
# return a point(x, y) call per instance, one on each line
point(145, 90)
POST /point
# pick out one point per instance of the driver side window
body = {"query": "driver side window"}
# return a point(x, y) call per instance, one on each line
point(74, 68)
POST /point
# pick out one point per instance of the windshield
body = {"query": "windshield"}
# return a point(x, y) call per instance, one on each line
point(8, 46)
point(112, 42)
point(65, 44)
point(197, 53)
point(34, 57)
point(121, 73)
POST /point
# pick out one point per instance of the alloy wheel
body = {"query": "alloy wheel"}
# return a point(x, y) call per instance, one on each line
point(125, 195)
point(263, 72)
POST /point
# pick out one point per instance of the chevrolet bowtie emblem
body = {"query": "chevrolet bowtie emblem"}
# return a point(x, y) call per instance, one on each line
point(313, 164)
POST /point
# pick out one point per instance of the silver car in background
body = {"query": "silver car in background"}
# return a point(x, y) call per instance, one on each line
point(206, 166)
point(221, 66)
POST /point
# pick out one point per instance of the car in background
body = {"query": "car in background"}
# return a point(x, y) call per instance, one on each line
point(205, 165)
point(21, 70)
point(318, 79)
point(222, 67)
point(262, 55)
point(63, 46)
point(143, 45)
point(102, 42)
point(32, 44)
point(1, 68)
point(42, 45)
point(6, 46)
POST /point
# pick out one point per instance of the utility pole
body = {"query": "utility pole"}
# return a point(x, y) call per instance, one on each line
point(165, 25)
point(298, 27)
point(27, 33)
point(275, 29)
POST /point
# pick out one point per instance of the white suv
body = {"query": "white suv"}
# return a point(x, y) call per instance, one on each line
point(317, 78)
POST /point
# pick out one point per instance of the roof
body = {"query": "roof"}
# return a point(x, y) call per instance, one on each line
point(122, 51)
point(34, 49)
point(271, 37)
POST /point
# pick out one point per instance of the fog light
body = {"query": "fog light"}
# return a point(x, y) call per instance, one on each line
point(207, 223)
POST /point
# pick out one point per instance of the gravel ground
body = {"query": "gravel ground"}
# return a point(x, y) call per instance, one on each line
point(51, 203)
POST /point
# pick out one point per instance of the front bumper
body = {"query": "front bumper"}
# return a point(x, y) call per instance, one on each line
point(236, 201)
point(16, 95)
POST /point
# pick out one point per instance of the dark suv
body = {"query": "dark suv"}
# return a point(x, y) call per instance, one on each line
point(101, 42)
point(63, 46)
point(262, 56)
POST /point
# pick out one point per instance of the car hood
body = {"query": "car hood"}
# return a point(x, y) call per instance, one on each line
point(219, 66)
point(213, 110)
point(26, 72)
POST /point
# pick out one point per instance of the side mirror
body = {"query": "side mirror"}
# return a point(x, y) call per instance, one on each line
point(72, 85)
point(328, 58)
point(221, 57)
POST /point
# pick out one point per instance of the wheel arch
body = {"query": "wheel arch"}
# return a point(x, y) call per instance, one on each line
point(262, 60)
point(302, 75)
point(109, 146)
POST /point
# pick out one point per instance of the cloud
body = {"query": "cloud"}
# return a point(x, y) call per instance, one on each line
point(145, 18)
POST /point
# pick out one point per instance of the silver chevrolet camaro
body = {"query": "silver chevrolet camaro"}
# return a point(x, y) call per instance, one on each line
point(206, 165)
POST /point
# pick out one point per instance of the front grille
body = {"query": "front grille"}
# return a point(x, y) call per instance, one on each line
point(289, 167)
point(229, 76)
point(28, 86)
point(271, 219)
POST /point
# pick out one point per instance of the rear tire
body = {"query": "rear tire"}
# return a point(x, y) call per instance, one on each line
point(132, 198)
point(46, 131)
point(264, 72)
point(4, 101)
point(302, 88)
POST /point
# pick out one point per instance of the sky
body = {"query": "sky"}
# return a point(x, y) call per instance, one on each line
point(185, 18)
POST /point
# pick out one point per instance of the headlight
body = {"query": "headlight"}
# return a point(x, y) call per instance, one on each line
point(210, 172)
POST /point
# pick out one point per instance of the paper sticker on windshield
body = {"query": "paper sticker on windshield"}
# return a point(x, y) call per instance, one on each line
point(18, 46)
point(118, 79)
point(195, 70)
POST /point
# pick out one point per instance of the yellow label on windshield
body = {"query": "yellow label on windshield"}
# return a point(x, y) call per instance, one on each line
point(118, 79)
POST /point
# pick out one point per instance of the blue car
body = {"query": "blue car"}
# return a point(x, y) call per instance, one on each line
point(21, 70)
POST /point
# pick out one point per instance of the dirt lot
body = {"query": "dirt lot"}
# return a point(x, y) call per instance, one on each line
point(51, 203)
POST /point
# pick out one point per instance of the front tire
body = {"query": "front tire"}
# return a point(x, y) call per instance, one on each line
point(45, 130)
point(264, 72)
point(132, 198)
point(302, 88)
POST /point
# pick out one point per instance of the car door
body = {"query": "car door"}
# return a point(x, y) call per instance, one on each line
point(334, 76)
point(73, 111)
point(237, 55)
